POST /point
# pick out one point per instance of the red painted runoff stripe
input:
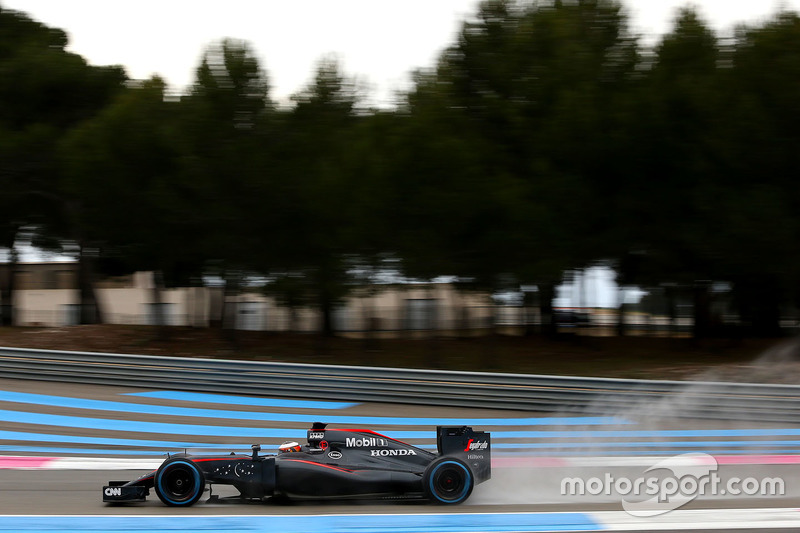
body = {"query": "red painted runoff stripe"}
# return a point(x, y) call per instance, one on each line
point(25, 462)
point(757, 459)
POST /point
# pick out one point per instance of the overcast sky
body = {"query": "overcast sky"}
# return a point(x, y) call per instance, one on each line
point(379, 41)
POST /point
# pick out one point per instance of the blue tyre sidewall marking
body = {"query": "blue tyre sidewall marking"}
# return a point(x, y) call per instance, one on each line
point(195, 474)
point(467, 480)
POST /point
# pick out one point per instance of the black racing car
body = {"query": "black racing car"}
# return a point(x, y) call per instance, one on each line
point(336, 463)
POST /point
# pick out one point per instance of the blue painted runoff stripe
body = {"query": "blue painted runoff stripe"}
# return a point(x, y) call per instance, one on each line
point(288, 433)
point(82, 451)
point(667, 433)
point(388, 523)
point(157, 427)
point(201, 450)
point(103, 441)
point(241, 400)
point(168, 428)
point(501, 449)
point(699, 444)
point(26, 438)
point(24, 417)
point(655, 453)
point(148, 409)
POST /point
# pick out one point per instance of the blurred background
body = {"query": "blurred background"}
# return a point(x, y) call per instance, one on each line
point(552, 174)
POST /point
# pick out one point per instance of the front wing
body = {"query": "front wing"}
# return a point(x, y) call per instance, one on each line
point(118, 491)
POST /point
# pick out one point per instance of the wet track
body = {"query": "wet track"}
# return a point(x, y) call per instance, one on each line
point(532, 455)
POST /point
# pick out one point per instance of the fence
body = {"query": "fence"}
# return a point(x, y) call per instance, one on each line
point(607, 396)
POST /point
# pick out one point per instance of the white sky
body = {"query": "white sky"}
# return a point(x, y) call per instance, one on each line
point(378, 41)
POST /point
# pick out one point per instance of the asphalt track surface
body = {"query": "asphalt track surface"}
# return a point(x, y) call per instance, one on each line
point(533, 454)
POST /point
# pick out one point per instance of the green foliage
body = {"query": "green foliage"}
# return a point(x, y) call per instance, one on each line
point(225, 140)
point(524, 102)
point(318, 214)
point(120, 179)
point(547, 138)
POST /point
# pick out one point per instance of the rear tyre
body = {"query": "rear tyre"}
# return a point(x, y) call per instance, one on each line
point(179, 482)
point(448, 481)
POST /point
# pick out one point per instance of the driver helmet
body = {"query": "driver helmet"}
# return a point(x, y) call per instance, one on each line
point(289, 446)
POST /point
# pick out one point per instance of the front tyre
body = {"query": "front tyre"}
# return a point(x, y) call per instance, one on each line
point(448, 481)
point(179, 482)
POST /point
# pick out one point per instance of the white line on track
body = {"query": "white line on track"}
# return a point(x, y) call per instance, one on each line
point(703, 519)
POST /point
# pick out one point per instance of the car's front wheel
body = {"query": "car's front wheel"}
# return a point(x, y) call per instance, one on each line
point(448, 480)
point(179, 482)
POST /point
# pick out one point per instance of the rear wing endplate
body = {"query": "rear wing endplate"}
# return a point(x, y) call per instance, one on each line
point(472, 447)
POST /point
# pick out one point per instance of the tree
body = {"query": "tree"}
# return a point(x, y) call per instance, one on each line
point(667, 114)
point(524, 104)
point(755, 225)
point(227, 132)
point(316, 212)
point(44, 91)
point(121, 186)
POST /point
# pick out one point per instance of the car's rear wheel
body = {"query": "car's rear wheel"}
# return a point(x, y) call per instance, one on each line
point(448, 480)
point(179, 482)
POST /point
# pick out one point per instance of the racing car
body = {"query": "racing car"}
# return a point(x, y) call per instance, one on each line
point(335, 463)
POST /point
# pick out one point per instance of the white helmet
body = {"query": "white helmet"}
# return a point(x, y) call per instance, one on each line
point(289, 446)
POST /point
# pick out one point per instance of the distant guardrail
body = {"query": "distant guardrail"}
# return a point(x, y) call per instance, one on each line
point(528, 392)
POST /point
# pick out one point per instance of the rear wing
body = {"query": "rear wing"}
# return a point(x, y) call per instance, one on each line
point(472, 447)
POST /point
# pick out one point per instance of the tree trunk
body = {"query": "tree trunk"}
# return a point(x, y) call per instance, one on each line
point(326, 310)
point(529, 317)
point(158, 302)
point(702, 310)
point(90, 309)
point(464, 320)
point(547, 293)
point(372, 323)
point(669, 298)
point(230, 308)
point(622, 329)
point(159, 316)
point(7, 288)
point(493, 328)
